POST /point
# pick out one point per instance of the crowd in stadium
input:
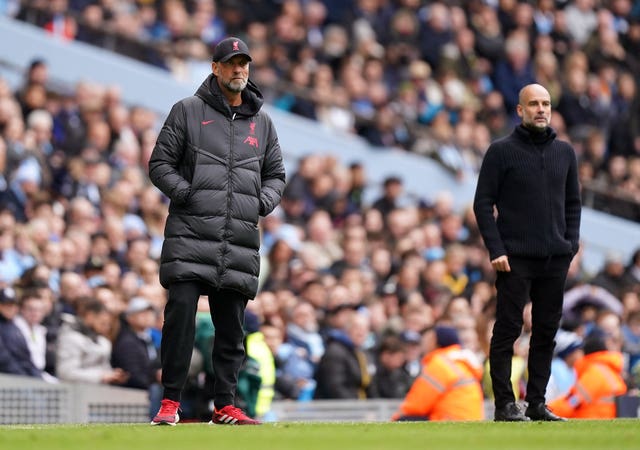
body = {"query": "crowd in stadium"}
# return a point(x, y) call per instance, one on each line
point(434, 78)
point(81, 228)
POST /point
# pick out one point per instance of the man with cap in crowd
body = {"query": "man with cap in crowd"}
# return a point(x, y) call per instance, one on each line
point(448, 388)
point(133, 350)
point(15, 356)
point(599, 380)
point(567, 352)
point(218, 160)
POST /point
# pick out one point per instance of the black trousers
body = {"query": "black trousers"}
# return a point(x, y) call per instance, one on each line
point(542, 281)
point(178, 333)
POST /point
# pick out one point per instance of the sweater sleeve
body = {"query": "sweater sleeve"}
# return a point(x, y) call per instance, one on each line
point(573, 205)
point(486, 197)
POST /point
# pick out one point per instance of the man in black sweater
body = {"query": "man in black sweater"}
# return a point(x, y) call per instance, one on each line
point(531, 180)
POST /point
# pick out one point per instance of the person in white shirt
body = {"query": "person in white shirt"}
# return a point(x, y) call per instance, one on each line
point(28, 320)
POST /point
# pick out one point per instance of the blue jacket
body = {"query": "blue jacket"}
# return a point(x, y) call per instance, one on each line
point(15, 357)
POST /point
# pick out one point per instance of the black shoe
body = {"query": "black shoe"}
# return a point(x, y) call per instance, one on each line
point(510, 413)
point(540, 411)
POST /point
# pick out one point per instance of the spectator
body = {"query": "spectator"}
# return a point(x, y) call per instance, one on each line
point(83, 349)
point(581, 20)
point(631, 344)
point(391, 380)
point(435, 33)
point(133, 350)
point(73, 289)
point(515, 71)
point(632, 270)
point(294, 373)
point(29, 321)
point(354, 250)
point(321, 241)
point(449, 385)
point(567, 352)
point(392, 191)
point(302, 333)
point(15, 355)
point(611, 276)
point(259, 350)
point(343, 371)
point(599, 381)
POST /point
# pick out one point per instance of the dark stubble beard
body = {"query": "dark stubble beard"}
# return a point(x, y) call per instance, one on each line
point(533, 126)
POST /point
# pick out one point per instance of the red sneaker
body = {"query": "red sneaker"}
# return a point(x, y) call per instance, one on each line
point(168, 414)
point(230, 415)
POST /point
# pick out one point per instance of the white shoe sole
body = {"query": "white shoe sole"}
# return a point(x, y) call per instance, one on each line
point(173, 424)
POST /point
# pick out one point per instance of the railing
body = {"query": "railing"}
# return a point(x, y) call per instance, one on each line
point(617, 202)
point(27, 400)
point(335, 410)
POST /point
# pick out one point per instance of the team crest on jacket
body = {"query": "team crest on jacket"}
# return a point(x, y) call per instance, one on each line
point(252, 140)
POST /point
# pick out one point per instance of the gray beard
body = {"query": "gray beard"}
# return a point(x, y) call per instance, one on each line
point(234, 87)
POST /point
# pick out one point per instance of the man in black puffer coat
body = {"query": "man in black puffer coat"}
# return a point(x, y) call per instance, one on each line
point(531, 179)
point(219, 161)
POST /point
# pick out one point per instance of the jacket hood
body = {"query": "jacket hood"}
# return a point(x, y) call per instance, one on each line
point(340, 336)
point(209, 92)
point(614, 360)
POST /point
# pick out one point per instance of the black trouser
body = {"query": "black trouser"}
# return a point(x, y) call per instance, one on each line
point(178, 333)
point(542, 281)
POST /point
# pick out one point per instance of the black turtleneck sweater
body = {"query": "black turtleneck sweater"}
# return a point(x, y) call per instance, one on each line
point(532, 179)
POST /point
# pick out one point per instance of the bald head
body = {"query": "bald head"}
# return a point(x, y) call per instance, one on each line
point(532, 90)
point(534, 107)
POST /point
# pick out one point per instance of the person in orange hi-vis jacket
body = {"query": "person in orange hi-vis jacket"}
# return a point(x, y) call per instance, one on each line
point(448, 388)
point(599, 381)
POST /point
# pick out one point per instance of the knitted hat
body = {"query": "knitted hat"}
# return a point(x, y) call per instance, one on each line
point(566, 343)
point(595, 341)
point(251, 322)
point(446, 336)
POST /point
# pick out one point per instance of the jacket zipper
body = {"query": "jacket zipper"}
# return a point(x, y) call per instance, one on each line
point(229, 190)
point(545, 188)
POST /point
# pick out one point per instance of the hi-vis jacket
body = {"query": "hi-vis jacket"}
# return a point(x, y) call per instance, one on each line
point(593, 395)
point(448, 388)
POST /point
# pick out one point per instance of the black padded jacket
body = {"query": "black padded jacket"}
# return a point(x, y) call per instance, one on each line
point(221, 169)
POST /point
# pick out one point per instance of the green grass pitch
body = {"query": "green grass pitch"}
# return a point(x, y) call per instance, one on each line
point(618, 434)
